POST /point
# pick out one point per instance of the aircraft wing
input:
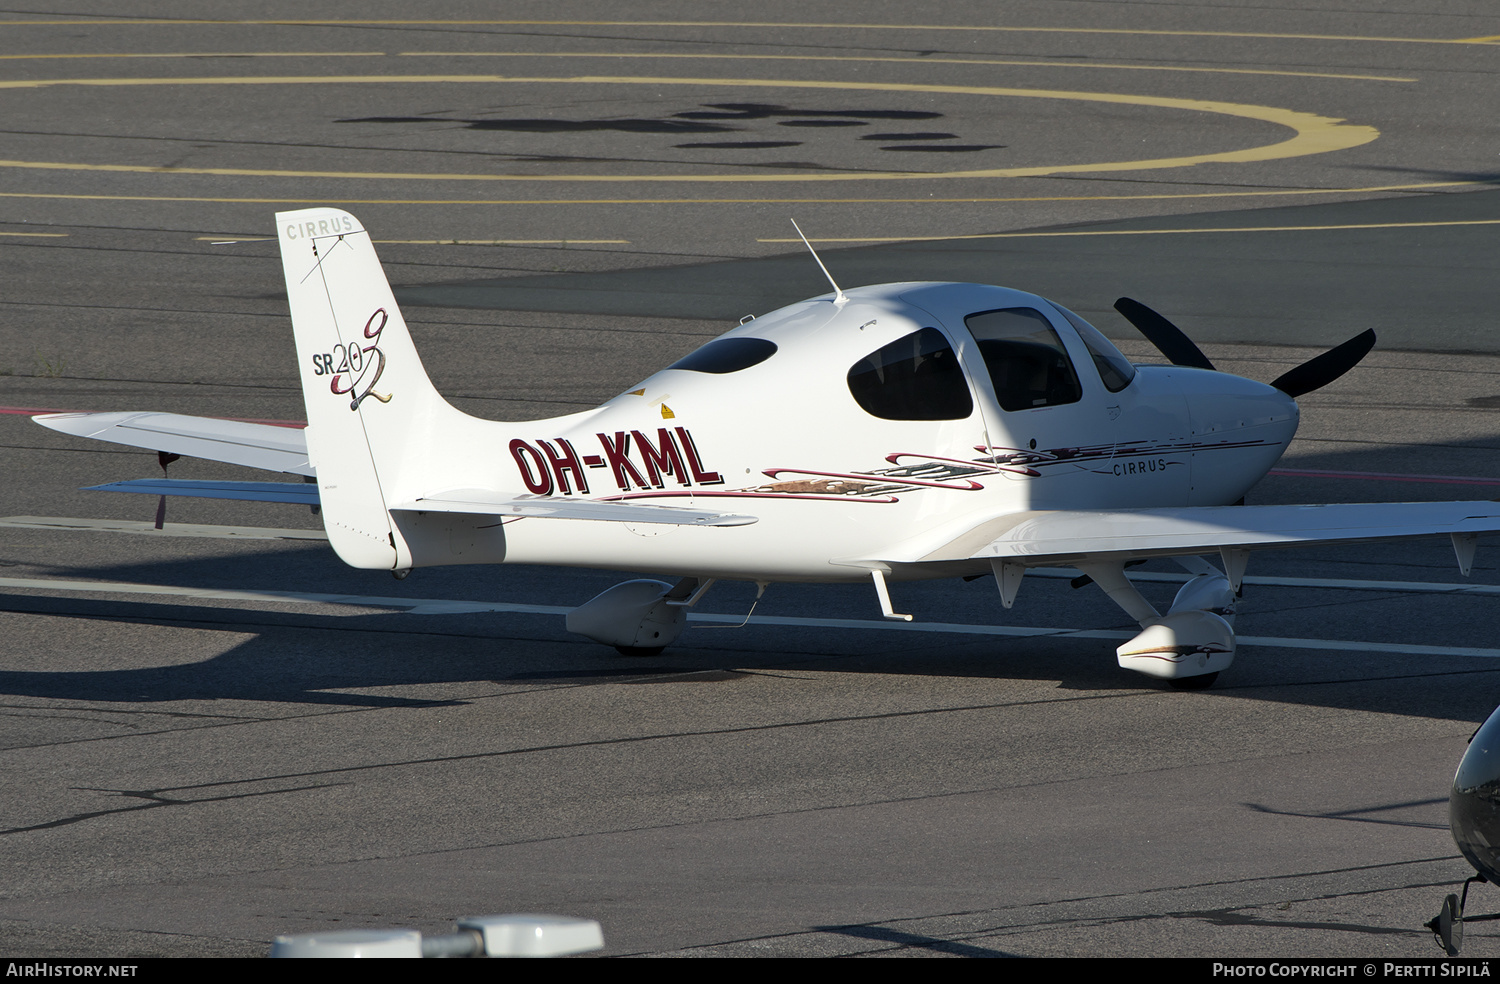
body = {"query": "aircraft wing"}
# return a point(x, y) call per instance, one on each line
point(1067, 537)
point(484, 502)
point(237, 442)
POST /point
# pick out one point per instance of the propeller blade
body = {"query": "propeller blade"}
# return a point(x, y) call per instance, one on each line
point(1327, 367)
point(1176, 346)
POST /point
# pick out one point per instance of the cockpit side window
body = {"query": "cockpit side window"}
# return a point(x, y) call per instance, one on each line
point(916, 377)
point(1114, 368)
point(1027, 362)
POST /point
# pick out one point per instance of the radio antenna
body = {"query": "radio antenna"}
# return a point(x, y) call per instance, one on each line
point(842, 297)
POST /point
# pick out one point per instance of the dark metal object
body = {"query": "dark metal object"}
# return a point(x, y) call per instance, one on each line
point(1327, 367)
point(1171, 340)
point(1474, 819)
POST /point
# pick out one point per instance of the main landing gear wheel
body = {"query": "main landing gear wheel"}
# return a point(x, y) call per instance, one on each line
point(639, 650)
point(1200, 682)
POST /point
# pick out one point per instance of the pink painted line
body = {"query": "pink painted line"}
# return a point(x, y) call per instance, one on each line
point(293, 424)
point(1384, 477)
point(33, 411)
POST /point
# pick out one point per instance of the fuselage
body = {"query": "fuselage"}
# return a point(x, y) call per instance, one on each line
point(900, 415)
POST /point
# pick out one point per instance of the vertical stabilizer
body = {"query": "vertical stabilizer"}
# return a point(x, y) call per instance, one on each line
point(372, 413)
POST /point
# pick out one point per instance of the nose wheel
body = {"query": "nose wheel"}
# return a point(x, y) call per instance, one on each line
point(1200, 682)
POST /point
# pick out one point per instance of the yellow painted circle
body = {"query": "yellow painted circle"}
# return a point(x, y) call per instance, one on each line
point(1311, 134)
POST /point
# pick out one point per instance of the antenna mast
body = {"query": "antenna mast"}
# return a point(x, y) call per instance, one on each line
point(842, 297)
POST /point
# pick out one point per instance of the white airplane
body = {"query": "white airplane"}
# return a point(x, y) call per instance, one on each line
point(893, 432)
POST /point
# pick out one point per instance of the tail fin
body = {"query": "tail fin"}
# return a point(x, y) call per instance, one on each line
point(375, 423)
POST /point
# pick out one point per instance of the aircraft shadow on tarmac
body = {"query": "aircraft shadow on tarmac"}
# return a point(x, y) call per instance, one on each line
point(882, 934)
point(739, 126)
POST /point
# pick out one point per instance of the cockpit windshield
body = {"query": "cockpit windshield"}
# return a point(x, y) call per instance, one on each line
point(1114, 368)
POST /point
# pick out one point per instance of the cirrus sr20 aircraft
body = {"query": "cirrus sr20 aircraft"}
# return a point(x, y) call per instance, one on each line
point(901, 431)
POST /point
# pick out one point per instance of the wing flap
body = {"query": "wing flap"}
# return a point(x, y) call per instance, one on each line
point(236, 442)
point(486, 502)
point(1066, 536)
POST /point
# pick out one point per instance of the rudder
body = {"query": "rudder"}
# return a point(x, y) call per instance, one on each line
point(372, 412)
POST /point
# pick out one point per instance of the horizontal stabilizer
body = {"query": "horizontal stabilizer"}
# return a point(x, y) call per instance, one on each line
point(1065, 536)
point(298, 493)
point(484, 502)
point(235, 442)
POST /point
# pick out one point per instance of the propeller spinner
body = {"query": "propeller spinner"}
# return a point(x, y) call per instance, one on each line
point(1181, 351)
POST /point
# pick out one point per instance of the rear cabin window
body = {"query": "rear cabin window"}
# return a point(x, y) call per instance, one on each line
point(727, 355)
point(1026, 360)
point(916, 377)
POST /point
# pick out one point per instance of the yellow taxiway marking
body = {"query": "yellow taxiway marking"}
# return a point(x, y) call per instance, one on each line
point(925, 61)
point(217, 241)
point(926, 200)
point(205, 54)
point(968, 28)
point(1146, 232)
point(658, 56)
point(37, 235)
point(1312, 134)
point(504, 242)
